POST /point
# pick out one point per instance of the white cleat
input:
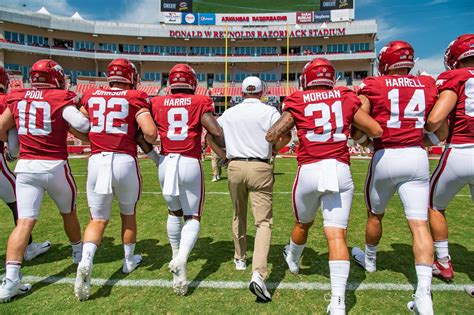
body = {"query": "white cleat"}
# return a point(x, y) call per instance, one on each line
point(368, 263)
point(337, 306)
point(35, 249)
point(257, 286)
point(82, 286)
point(180, 283)
point(293, 265)
point(9, 289)
point(422, 303)
point(240, 264)
point(214, 179)
point(129, 266)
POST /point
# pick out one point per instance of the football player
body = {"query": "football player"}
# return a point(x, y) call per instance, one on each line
point(115, 115)
point(180, 117)
point(323, 114)
point(399, 102)
point(43, 115)
point(7, 178)
point(455, 169)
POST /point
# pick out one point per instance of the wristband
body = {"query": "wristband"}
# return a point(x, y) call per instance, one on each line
point(361, 140)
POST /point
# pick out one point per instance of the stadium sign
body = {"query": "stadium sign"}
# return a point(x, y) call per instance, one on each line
point(317, 32)
point(304, 17)
point(322, 16)
point(256, 19)
point(190, 19)
point(176, 5)
point(207, 19)
point(173, 17)
point(336, 4)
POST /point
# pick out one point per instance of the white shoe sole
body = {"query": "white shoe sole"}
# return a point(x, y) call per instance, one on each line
point(82, 286)
point(258, 292)
point(180, 284)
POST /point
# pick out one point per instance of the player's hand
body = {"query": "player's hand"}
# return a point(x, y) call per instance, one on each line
point(10, 158)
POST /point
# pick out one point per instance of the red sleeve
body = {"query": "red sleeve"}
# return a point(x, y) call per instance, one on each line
point(431, 94)
point(291, 101)
point(85, 100)
point(207, 105)
point(368, 87)
point(141, 100)
point(448, 81)
point(351, 100)
point(11, 100)
point(71, 98)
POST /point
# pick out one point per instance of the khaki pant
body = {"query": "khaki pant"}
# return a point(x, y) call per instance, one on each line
point(216, 164)
point(254, 180)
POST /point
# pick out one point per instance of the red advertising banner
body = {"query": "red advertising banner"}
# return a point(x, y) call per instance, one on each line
point(304, 17)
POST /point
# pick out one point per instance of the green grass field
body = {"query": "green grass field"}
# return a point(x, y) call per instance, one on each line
point(211, 260)
point(250, 6)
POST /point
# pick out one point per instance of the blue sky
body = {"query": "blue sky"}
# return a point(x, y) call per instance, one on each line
point(429, 25)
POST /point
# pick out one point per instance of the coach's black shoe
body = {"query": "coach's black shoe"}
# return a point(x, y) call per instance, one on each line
point(259, 289)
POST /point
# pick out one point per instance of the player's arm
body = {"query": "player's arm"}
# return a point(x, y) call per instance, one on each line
point(446, 102)
point(215, 147)
point(367, 124)
point(79, 124)
point(7, 122)
point(359, 136)
point(437, 137)
point(147, 125)
point(212, 126)
point(281, 130)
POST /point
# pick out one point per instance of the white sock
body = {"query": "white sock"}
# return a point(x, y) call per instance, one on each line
point(339, 272)
point(370, 250)
point(13, 270)
point(174, 227)
point(154, 156)
point(441, 248)
point(129, 250)
point(296, 250)
point(88, 252)
point(424, 274)
point(189, 235)
point(77, 247)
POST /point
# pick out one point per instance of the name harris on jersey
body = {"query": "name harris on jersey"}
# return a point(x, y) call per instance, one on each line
point(182, 101)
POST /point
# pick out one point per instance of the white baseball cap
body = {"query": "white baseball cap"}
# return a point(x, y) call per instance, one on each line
point(252, 85)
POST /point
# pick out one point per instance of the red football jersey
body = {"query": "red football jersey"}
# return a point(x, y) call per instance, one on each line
point(461, 118)
point(112, 113)
point(3, 106)
point(178, 117)
point(323, 119)
point(400, 104)
point(42, 130)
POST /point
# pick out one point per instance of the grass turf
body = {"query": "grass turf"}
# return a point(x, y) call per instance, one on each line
point(212, 257)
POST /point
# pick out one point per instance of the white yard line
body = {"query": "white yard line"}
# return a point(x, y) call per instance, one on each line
point(315, 286)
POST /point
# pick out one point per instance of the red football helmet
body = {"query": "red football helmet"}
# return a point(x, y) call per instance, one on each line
point(124, 71)
point(47, 74)
point(319, 71)
point(395, 55)
point(460, 48)
point(182, 76)
point(4, 81)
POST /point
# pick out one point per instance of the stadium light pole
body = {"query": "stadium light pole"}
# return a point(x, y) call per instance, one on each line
point(226, 64)
point(287, 58)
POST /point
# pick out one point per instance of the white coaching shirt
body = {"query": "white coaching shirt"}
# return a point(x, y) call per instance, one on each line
point(245, 126)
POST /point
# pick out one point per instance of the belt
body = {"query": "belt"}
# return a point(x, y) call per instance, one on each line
point(251, 160)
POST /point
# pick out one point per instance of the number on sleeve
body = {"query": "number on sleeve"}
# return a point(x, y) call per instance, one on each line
point(106, 114)
point(178, 124)
point(33, 119)
point(325, 122)
point(414, 110)
point(469, 103)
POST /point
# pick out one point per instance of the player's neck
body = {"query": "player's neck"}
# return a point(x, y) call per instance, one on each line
point(401, 71)
point(121, 86)
point(319, 88)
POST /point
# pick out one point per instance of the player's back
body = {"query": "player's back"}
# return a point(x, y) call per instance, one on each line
point(42, 130)
point(461, 118)
point(112, 113)
point(322, 119)
point(400, 104)
point(178, 117)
